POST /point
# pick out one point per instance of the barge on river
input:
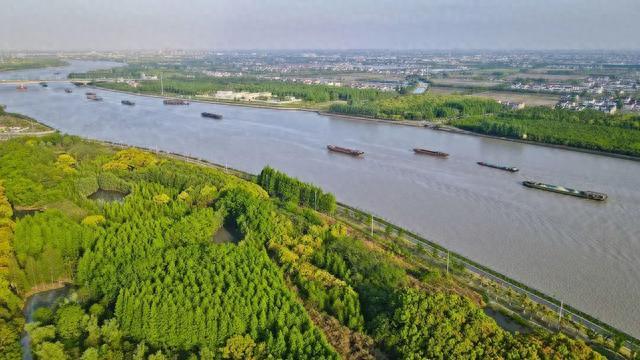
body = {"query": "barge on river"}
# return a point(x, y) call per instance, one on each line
point(499, 167)
point(430, 152)
point(175, 102)
point(343, 150)
point(94, 97)
point(591, 195)
point(211, 115)
point(68, 91)
point(127, 102)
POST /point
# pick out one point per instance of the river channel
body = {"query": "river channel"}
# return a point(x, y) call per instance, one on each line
point(584, 252)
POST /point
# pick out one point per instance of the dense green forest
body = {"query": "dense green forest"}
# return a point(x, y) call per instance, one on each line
point(419, 107)
point(150, 282)
point(589, 129)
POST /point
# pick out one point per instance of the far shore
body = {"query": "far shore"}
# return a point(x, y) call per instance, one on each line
point(414, 123)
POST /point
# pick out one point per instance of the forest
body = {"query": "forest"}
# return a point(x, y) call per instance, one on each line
point(148, 281)
point(588, 129)
point(419, 107)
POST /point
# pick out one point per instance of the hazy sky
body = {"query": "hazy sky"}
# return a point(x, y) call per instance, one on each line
point(334, 24)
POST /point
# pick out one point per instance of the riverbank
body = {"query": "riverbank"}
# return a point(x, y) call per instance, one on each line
point(413, 123)
point(358, 218)
point(30, 64)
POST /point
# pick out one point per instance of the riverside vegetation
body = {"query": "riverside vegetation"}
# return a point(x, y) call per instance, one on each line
point(591, 130)
point(150, 283)
point(10, 64)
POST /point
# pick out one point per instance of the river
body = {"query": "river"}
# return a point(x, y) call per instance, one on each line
point(585, 253)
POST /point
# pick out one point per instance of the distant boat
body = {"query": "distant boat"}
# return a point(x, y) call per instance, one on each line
point(211, 115)
point(127, 102)
point(89, 93)
point(343, 150)
point(175, 102)
point(430, 152)
point(94, 97)
point(591, 195)
point(44, 84)
point(68, 91)
point(21, 87)
point(505, 168)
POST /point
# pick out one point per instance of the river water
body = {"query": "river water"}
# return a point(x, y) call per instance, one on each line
point(584, 252)
point(43, 299)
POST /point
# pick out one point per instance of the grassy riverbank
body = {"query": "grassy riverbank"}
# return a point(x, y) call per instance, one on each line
point(152, 254)
point(11, 64)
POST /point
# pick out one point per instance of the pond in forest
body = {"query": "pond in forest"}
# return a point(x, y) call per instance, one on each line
point(19, 213)
point(227, 233)
point(107, 195)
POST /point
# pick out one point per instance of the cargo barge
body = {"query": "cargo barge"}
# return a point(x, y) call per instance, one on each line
point(211, 115)
point(94, 97)
point(127, 102)
point(343, 150)
point(44, 84)
point(499, 167)
point(430, 152)
point(68, 91)
point(89, 93)
point(175, 102)
point(591, 195)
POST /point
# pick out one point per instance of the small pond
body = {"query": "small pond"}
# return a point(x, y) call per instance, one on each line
point(506, 322)
point(20, 213)
point(107, 195)
point(227, 233)
point(38, 300)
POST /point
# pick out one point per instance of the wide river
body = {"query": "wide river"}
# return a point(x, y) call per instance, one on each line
point(584, 252)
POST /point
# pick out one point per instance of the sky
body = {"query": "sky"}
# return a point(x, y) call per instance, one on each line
point(319, 24)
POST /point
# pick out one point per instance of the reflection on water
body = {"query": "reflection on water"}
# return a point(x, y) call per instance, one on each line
point(583, 252)
point(20, 213)
point(42, 299)
point(107, 195)
point(227, 233)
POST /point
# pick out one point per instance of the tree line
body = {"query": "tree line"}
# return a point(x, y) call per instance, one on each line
point(592, 130)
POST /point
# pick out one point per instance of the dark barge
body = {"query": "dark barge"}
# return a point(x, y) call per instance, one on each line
point(591, 195)
point(343, 150)
point(430, 152)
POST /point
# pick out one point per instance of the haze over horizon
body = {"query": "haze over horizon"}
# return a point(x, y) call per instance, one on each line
point(330, 24)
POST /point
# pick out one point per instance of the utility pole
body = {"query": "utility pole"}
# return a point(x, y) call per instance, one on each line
point(560, 314)
point(371, 225)
point(447, 262)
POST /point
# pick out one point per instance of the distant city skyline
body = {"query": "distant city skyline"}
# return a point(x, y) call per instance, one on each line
point(329, 24)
